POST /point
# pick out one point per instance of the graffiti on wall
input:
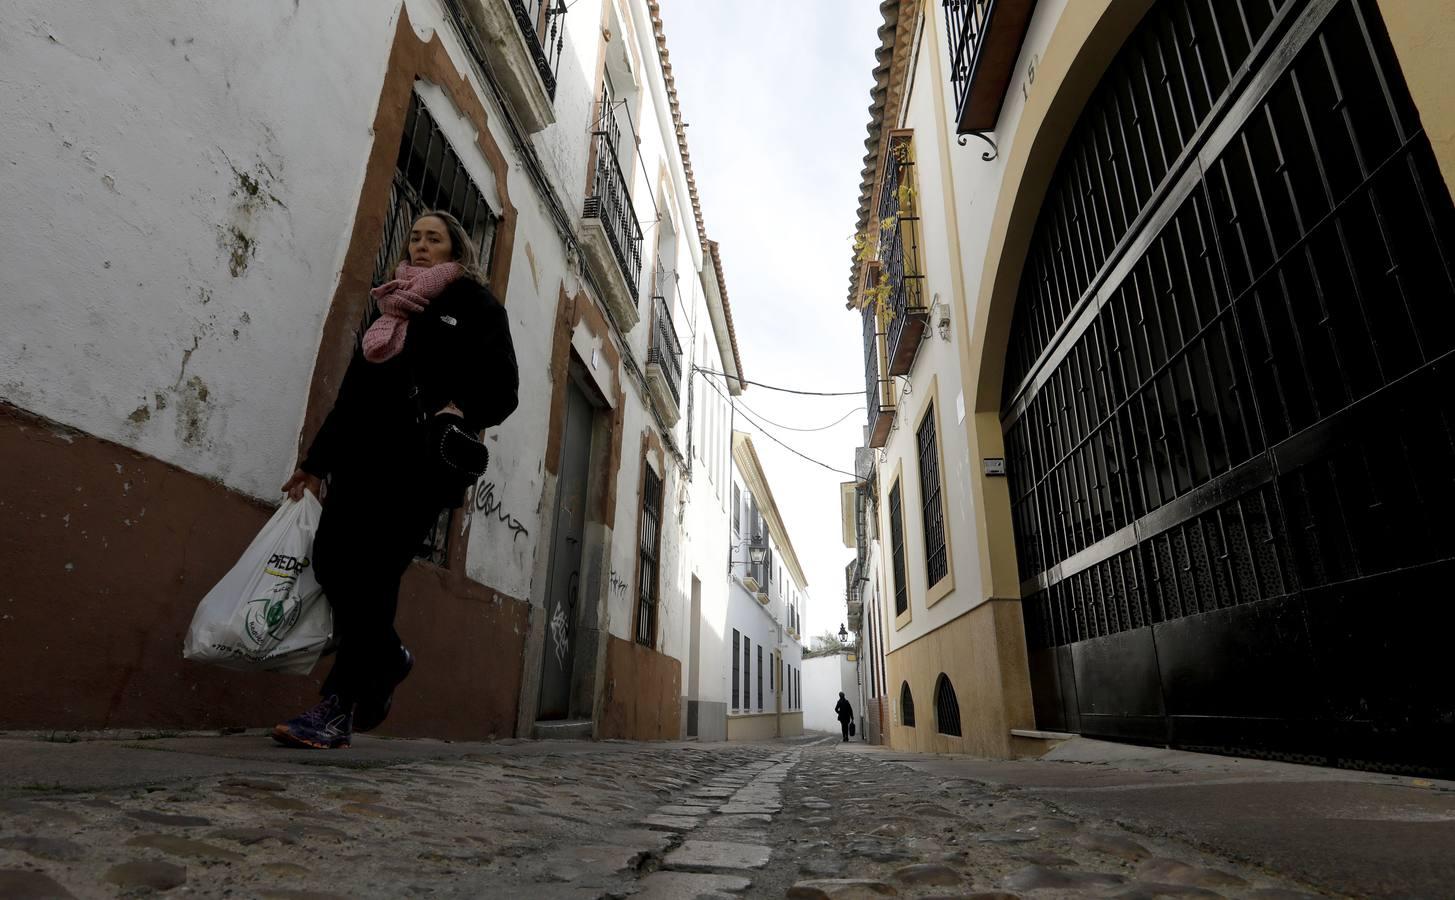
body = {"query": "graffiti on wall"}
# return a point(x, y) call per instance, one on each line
point(618, 586)
point(482, 499)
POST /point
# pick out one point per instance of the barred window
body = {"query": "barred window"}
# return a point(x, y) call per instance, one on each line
point(906, 706)
point(760, 678)
point(936, 563)
point(736, 668)
point(747, 672)
point(947, 707)
point(647, 559)
point(737, 510)
point(428, 174)
point(896, 542)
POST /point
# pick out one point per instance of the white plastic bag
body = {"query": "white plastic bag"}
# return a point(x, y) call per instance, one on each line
point(268, 612)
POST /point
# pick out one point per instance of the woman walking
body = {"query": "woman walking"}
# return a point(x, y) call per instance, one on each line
point(845, 713)
point(438, 357)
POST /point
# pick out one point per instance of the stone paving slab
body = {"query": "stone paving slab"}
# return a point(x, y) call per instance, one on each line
point(690, 886)
point(708, 855)
point(672, 823)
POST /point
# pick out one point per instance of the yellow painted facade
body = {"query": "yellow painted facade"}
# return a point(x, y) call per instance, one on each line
point(989, 224)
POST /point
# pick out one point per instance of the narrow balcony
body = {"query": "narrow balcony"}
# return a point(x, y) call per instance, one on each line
point(522, 42)
point(899, 254)
point(760, 580)
point(878, 390)
point(611, 234)
point(664, 356)
point(985, 39)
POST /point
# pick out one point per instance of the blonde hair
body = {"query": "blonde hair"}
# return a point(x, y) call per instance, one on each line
point(462, 248)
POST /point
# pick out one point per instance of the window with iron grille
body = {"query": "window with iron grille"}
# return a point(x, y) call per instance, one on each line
point(736, 669)
point(947, 707)
point(869, 633)
point(760, 678)
point(936, 563)
point(647, 559)
point(747, 673)
point(737, 510)
point(428, 174)
point(906, 706)
point(896, 539)
point(772, 664)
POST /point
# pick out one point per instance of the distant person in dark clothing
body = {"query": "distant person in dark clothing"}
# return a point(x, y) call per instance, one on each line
point(845, 713)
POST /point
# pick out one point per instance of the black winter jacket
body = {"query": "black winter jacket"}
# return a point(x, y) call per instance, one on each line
point(457, 351)
point(844, 710)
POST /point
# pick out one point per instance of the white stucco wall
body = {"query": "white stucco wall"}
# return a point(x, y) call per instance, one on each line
point(823, 678)
point(177, 211)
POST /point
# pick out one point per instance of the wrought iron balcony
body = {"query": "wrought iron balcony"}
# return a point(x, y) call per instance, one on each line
point(612, 235)
point(664, 357)
point(543, 25)
point(521, 42)
point(985, 40)
point(878, 391)
point(899, 254)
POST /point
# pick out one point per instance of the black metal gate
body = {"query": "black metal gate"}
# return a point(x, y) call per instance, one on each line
point(1230, 398)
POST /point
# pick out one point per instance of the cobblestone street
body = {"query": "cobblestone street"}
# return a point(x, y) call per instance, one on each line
point(232, 816)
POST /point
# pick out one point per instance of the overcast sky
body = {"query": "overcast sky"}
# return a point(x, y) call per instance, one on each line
point(776, 96)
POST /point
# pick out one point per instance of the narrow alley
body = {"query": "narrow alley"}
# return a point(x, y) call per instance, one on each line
point(232, 816)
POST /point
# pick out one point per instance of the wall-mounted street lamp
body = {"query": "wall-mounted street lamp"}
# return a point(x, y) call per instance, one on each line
point(843, 633)
point(757, 552)
point(940, 316)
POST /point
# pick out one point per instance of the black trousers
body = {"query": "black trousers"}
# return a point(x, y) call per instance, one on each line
point(844, 724)
point(370, 530)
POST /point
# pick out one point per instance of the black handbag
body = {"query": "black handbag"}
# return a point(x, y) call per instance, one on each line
point(460, 451)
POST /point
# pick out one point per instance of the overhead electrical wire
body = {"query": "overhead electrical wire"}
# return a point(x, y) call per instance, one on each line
point(764, 431)
point(746, 408)
point(774, 387)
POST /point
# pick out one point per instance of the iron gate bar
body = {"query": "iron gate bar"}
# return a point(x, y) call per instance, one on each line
point(1205, 541)
point(1274, 51)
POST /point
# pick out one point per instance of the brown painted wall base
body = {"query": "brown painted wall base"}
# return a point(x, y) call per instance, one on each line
point(643, 696)
point(104, 553)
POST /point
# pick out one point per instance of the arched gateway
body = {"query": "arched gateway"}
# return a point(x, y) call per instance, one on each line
point(1228, 400)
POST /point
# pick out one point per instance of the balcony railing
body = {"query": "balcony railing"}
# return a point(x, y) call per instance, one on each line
point(666, 351)
point(876, 387)
point(985, 40)
point(899, 254)
point(543, 25)
point(611, 202)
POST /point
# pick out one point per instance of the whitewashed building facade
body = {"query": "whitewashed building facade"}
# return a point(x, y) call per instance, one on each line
point(198, 200)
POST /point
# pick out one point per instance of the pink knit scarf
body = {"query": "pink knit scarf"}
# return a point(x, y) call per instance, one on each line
point(409, 293)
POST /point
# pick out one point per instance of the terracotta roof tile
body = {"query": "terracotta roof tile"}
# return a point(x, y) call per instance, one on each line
point(879, 101)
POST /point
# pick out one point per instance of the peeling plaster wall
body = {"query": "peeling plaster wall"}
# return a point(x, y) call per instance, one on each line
point(176, 210)
point(181, 190)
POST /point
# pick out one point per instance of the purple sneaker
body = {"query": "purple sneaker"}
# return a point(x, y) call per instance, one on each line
point(327, 726)
point(371, 712)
